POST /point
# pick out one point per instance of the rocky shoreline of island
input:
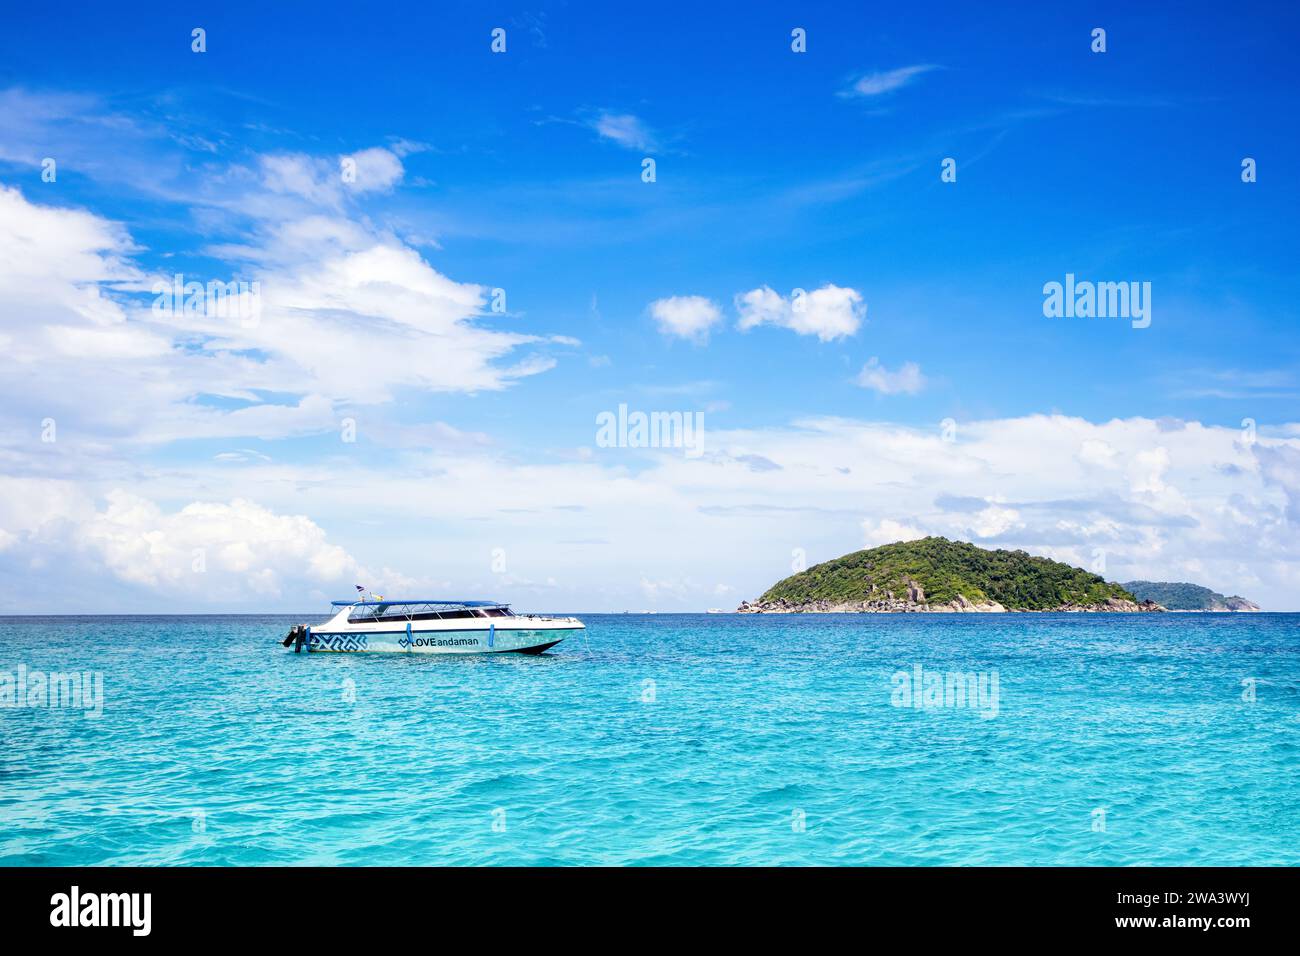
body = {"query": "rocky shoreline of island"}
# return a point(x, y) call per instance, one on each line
point(959, 605)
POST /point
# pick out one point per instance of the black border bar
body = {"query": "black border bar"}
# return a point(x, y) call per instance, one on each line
point(329, 906)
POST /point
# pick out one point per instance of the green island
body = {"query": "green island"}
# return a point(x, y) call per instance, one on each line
point(1181, 596)
point(937, 575)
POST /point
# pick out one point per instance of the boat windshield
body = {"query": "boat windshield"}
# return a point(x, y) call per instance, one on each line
point(379, 612)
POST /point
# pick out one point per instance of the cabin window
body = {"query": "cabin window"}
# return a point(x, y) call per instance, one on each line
point(387, 613)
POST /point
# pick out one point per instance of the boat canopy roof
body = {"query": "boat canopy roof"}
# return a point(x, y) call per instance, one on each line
point(448, 604)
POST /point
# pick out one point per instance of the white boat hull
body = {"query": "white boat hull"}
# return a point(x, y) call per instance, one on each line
point(497, 641)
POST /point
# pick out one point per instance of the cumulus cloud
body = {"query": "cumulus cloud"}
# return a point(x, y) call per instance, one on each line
point(830, 312)
point(206, 552)
point(907, 380)
point(1280, 467)
point(994, 521)
point(876, 84)
point(688, 317)
point(251, 546)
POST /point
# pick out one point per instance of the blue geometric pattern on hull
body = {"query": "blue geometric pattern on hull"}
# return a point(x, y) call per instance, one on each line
point(338, 642)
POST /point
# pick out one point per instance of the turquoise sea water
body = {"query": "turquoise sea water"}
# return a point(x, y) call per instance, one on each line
point(665, 739)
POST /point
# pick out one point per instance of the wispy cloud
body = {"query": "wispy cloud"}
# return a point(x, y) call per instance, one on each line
point(534, 24)
point(1112, 102)
point(324, 181)
point(876, 84)
point(1238, 384)
point(625, 129)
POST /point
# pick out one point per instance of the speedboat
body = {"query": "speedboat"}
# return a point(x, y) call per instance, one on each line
point(430, 627)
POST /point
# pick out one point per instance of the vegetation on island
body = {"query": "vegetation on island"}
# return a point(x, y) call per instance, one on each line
point(946, 569)
point(1181, 596)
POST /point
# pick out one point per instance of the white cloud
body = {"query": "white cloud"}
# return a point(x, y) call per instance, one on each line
point(887, 531)
point(81, 132)
point(335, 297)
point(625, 129)
point(907, 380)
point(875, 84)
point(377, 170)
point(304, 176)
point(1280, 465)
point(59, 264)
point(29, 506)
point(325, 182)
point(1221, 513)
point(762, 306)
point(1094, 452)
point(206, 553)
point(829, 313)
point(1148, 469)
point(679, 589)
point(342, 292)
point(995, 520)
point(377, 306)
point(239, 543)
point(688, 317)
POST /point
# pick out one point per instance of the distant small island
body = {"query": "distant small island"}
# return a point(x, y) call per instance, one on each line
point(936, 575)
point(1181, 596)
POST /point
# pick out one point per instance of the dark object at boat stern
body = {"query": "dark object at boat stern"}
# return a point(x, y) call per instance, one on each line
point(297, 636)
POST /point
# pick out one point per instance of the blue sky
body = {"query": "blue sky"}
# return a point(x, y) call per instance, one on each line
point(1082, 438)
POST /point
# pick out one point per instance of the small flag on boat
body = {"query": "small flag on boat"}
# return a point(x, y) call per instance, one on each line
point(377, 597)
point(361, 587)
